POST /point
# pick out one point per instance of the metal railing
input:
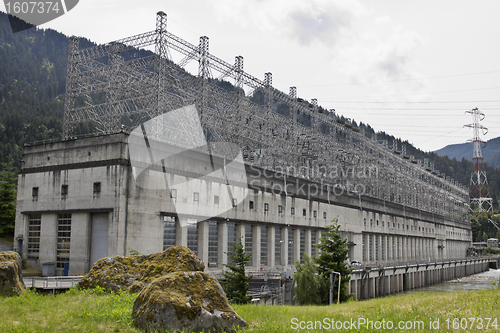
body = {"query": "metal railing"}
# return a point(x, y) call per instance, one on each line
point(51, 282)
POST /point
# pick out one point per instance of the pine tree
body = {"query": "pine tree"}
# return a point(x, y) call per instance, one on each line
point(236, 282)
point(7, 199)
point(333, 258)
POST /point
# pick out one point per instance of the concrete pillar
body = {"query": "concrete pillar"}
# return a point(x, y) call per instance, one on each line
point(271, 246)
point(296, 245)
point(284, 246)
point(48, 238)
point(240, 233)
point(308, 242)
point(79, 254)
point(203, 242)
point(318, 236)
point(181, 232)
point(256, 243)
point(221, 242)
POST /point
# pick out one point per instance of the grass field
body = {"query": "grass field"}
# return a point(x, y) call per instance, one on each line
point(96, 311)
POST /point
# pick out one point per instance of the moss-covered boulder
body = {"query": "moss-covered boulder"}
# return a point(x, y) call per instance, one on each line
point(132, 273)
point(11, 278)
point(185, 301)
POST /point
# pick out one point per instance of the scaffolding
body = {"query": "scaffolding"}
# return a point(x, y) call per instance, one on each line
point(119, 85)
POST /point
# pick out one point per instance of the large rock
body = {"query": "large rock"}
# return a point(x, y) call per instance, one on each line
point(189, 301)
point(132, 273)
point(11, 273)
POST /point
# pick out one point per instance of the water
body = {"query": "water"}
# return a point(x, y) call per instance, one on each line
point(474, 282)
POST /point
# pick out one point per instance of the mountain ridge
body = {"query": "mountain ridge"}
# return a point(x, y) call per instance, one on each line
point(490, 152)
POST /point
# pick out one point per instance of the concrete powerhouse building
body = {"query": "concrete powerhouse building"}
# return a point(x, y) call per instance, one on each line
point(82, 199)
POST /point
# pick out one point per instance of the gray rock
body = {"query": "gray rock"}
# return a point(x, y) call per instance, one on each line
point(185, 301)
point(11, 273)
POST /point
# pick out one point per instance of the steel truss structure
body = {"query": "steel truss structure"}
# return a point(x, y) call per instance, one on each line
point(479, 191)
point(115, 86)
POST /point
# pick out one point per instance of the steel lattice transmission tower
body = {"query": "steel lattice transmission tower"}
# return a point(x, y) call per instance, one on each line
point(479, 191)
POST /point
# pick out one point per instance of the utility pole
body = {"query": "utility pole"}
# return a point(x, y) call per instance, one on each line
point(479, 191)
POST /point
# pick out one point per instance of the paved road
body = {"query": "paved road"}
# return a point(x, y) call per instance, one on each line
point(4, 246)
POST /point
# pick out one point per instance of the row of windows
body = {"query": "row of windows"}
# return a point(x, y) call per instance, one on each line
point(399, 226)
point(64, 190)
point(196, 198)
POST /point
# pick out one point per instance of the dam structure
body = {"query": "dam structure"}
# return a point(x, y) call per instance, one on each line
point(204, 159)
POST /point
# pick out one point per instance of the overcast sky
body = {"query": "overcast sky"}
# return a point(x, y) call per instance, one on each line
point(410, 68)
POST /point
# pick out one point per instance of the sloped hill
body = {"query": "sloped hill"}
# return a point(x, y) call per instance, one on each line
point(491, 152)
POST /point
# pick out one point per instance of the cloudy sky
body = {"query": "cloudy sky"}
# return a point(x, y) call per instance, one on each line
point(410, 68)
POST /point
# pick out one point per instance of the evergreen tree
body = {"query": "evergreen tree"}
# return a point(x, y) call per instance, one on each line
point(333, 258)
point(308, 283)
point(236, 282)
point(7, 199)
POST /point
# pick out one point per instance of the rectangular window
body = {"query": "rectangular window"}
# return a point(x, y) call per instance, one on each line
point(266, 207)
point(302, 245)
point(34, 192)
point(290, 246)
point(313, 242)
point(263, 246)
point(292, 211)
point(34, 227)
point(168, 231)
point(231, 239)
point(250, 205)
point(304, 212)
point(280, 209)
point(64, 190)
point(196, 197)
point(173, 193)
point(63, 239)
point(248, 242)
point(277, 246)
point(315, 214)
point(212, 244)
point(235, 202)
point(192, 235)
point(324, 215)
point(216, 199)
point(97, 187)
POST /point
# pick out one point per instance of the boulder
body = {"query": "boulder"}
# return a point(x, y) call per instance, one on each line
point(132, 273)
point(11, 273)
point(187, 301)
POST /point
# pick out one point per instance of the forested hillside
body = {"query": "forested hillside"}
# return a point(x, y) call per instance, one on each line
point(32, 85)
point(490, 151)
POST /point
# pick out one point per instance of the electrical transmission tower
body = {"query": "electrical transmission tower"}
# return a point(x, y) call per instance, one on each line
point(479, 191)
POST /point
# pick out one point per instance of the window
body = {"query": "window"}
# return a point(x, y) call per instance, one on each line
point(280, 209)
point(216, 199)
point(196, 197)
point(377, 222)
point(63, 239)
point(192, 235)
point(64, 190)
point(173, 193)
point(231, 239)
point(313, 241)
point(324, 215)
point(302, 245)
point(304, 212)
point(290, 246)
point(250, 205)
point(315, 213)
point(277, 246)
point(248, 242)
point(263, 245)
point(266, 207)
point(212, 244)
point(97, 187)
point(34, 192)
point(168, 231)
point(364, 221)
point(293, 211)
point(371, 222)
point(35, 224)
point(235, 202)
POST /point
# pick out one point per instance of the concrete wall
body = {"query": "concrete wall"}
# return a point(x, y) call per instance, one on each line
point(191, 187)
